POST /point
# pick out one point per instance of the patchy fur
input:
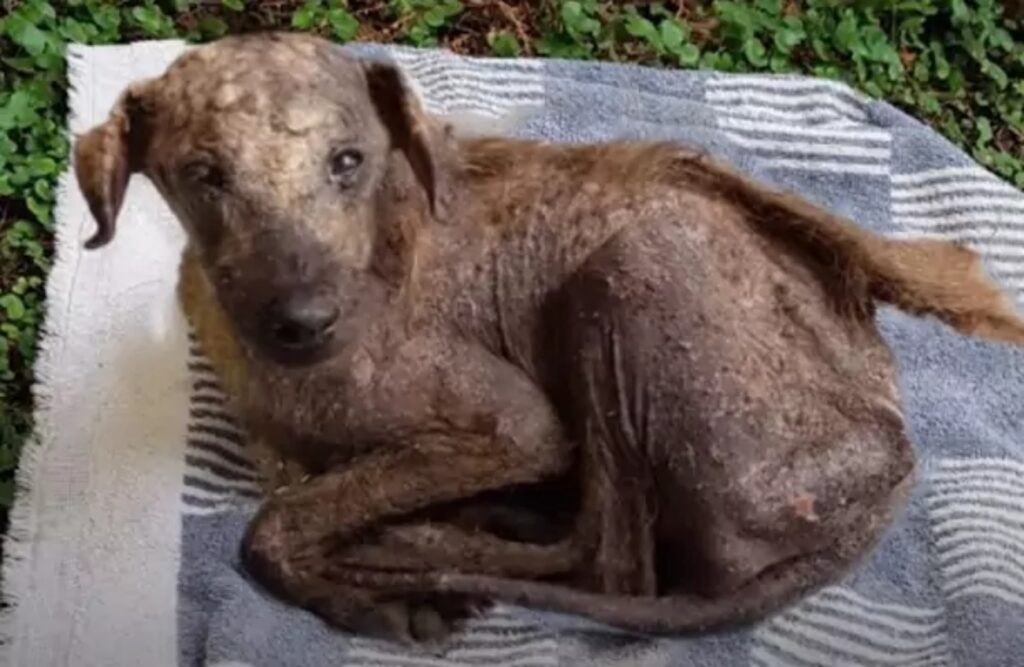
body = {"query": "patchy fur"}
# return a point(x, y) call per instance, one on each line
point(685, 359)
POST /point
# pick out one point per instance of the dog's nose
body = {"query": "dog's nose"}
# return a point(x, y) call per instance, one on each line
point(301, 321)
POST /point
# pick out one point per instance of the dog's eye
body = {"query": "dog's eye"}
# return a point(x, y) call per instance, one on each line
point(344, 164)
point(207, 175)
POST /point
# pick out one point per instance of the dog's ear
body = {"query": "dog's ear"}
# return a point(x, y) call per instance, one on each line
point(411, 131)
point(106, 156)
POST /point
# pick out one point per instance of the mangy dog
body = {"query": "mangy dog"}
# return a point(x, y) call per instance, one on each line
point(421, 318)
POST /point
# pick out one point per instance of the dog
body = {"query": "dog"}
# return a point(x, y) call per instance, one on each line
point(687, 357)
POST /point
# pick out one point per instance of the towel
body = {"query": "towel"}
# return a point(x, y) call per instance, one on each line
point(133, 496)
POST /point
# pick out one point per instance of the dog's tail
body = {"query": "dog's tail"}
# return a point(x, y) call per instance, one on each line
point(921, 277)
point(676, 615)
point(943, 280)
point(671, 614)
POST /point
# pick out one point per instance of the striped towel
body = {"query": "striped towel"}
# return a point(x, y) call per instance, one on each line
point(124, 539)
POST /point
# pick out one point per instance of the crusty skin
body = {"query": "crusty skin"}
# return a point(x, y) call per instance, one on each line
point(459, 539)
point(636, 316)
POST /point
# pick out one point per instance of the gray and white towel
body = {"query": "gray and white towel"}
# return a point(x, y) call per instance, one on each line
point(123, 549)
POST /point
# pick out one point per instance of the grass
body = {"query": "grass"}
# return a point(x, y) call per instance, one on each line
point(956, 64)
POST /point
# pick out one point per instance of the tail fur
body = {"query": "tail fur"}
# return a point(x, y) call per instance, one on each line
point(921, 277)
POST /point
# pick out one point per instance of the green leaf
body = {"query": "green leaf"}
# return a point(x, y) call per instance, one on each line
point(504, 44)
point(996, 73)
point(234, 5)
point(876, 45)
point(985, 134)
point(420, 35)
point(577, 20)
point(23, 64)
point(13, 306)
point(1002, 39)
point(20, 175)
point(688, 55)
point(571, 12)
point(144, 15)
point(439, 14)
point(872, 88)
point(40, 209)
point(43, 189)
point(343, 24)
point(17, 111)
point(779, 64)
point(107, 18)
point(771, 7)
point(556, 46)
point(921, 70)
point(942, 68)
point(960, 12)
point(435, 18)
point(39, 9)
point(6, 493)
point(25, 34)
point(212, 26)
point(304, 16)
point(755, 52)
point(720, 60)
point(847, 36)
point(738, 16)
point(152, 20)
point(929, 103)
point(8, 457)
point(74, 31)
point(639, 26)
point(7, 148)
point(956, 80)
point(672, 34)
point(787, 38)
point(41, 165)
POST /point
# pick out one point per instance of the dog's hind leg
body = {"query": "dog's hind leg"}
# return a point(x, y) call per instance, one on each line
point(670, 613)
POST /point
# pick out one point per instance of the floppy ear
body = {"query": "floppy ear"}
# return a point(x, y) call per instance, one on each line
point(106, 156)
point(410, 130)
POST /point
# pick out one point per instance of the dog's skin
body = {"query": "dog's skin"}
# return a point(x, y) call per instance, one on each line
point(420, 318)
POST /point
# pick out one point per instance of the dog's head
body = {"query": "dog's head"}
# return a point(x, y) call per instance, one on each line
point(273, 151)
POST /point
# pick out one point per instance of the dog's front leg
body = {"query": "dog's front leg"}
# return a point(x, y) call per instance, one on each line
point(289, 542)
point(436, 468)
point(491, 428)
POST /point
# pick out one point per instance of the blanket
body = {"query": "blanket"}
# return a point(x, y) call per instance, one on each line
point(134, 494)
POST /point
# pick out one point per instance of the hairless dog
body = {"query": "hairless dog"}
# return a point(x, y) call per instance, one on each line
point(686, 359)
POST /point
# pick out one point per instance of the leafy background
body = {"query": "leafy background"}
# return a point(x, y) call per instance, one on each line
point(956, 64)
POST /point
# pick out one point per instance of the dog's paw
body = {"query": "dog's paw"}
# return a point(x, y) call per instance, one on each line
point(274, 543)
point(437, 618)
point(428, 625)
point(264, 554)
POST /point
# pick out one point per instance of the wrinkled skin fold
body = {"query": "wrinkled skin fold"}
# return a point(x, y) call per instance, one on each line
point(618, 380)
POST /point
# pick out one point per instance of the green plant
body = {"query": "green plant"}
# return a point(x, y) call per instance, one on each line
point(332, 17)
point(504, 44)
point(955, 64)
point(575, 30)
point(664, 33)
point(33, 151)
point(425, 19)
